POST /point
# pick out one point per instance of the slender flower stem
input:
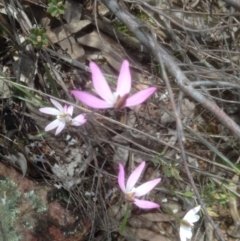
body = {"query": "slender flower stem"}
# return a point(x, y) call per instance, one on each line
point(126, 216)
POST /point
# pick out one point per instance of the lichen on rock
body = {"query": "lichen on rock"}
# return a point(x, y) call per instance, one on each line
point(8, 212)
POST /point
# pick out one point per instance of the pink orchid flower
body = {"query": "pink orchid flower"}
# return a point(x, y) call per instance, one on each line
point(63, 117)
point(118, 99)
point(131, 192)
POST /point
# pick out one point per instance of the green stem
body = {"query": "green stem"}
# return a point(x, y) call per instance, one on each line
point(126, 216)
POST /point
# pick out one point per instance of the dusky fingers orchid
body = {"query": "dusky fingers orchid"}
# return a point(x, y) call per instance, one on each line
point(132, 192)
point(119, 99)
point(187, 223)
point(63, 117)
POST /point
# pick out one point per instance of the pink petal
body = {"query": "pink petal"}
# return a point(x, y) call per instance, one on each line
point(133, 178)
point(121, 178)
point(50, 111)
point(79, 120)
point(124, 79)
point(91, 100)
point(65, 109)
point(60, 127)
point(57, 104)
point(100, 84)
point(145, 204)
point(70, 110)
point(52, 125)
point(146, 187)
point(140, 96)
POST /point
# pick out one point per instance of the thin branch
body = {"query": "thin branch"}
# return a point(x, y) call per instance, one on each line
point(233, 3)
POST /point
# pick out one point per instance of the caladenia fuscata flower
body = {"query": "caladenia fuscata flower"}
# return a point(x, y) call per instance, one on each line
point(132, 193)
point(120, 98)
point(63, 117)
point(187, 223)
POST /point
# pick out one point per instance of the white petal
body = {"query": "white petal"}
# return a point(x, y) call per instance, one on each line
point(50, 111)
point(192, 216)
point(52, 125)
point(60, 128)
point(185, 232)
point(70, 110)
point(57, 104)
point(79, 120)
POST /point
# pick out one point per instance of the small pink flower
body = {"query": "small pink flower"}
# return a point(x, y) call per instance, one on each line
point(131, 192)
point(63, 117)
point(118, 99)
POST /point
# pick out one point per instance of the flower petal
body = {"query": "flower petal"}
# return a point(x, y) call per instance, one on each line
point(60, 127)
point(70, 110)
point(121, 178)
point(145, 204)
point(50, 111)
point(124, 79)
point(146, 187)
point(100, 84)
point(133, 178)
point(79, 120)
point(65, 109)
point(185, 232)
point(52, 125)
point(57, 105)
point(140, 96)
point(192, 216)
point(91, 100)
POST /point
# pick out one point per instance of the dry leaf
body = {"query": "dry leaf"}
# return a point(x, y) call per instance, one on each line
point(73, 11)
point(166, 118)
point(4, 88)
point(73, 49)
point(27, 68)
point(151, 236)
point(58, 34)
point(19, 158)
point(212, 213)
point(188, 108)
point(158, 217)
point(108, 46)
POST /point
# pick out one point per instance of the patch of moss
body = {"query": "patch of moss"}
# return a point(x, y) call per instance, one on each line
point(37, 202)
point(8, 212)
point(59, 195)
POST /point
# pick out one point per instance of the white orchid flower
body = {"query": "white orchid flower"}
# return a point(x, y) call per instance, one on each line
point(187, 223)
point(63, 117)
